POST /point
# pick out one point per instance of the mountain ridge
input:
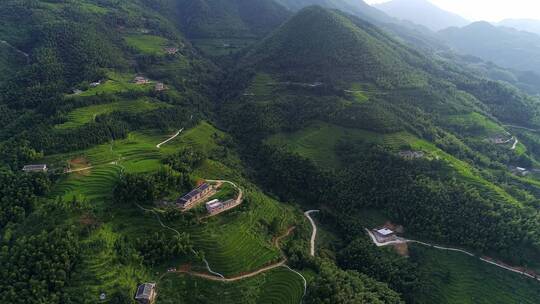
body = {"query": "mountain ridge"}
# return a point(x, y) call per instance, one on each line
point(422, 12)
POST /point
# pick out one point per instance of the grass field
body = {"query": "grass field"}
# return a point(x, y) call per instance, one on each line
point(318, 143)
point(117, 83)
point(279, 286)
point(475, 124)
point(81, 116)
point(455, 278)
point(147, 44)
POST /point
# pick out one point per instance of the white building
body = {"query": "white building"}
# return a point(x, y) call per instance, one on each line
point(384, 235)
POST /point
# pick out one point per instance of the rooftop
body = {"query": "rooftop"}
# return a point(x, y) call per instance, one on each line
point(144, 291)
point(194, 192)
point(385, 231)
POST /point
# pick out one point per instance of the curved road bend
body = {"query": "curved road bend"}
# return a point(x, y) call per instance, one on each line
point(314, 231)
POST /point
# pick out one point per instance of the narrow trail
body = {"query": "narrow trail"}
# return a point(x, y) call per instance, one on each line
point(26, 55)
point(281, 263)
point(169, 139)
point(520, 127)
point(314, 231)
point(244, 275)
point(78, 170)
point(483, 259)
point(516, 141)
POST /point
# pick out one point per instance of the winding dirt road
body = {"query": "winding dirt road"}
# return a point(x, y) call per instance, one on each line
point(314, 231)
point(249, 274)
point(400, 240)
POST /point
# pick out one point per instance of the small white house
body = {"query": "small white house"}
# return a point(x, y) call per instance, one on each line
point(384, 235)
point(35, 168)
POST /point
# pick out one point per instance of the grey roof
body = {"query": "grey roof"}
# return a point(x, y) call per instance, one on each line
point(144, 291)
point(184, 199)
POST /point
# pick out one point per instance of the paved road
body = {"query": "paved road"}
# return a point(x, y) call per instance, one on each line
point(403, 241)
point(169, 139)
point(313, 233)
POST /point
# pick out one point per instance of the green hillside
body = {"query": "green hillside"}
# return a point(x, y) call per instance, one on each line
point(132, 104)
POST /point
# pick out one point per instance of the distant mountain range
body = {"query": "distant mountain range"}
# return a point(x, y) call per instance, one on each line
point(529, 25)
point(504, 46)
point(355, 7)
point(422, 12)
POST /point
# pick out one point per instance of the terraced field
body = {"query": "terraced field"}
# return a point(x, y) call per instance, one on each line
point(476, 124)
point(117, 83)
point(236, 242)
point(459, 279)
point(277, 286)
point(318, 142)
point(147, 44)
point(81, 116)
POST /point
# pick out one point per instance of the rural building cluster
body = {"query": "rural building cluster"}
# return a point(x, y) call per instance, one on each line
point(195, 196)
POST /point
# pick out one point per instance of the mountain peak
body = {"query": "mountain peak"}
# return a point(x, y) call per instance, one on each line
point(319, 43)
point(422, 12)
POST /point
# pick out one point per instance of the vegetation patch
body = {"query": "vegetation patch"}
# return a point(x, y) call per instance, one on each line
point(147, 44)
point(222, 46)
point(475, 124)
point(277, 286)
point(455, 278)
point(81, 116)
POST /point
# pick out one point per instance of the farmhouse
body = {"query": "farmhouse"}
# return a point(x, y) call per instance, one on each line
point(160, 87)
point(411, 154)
point(500, 139)
point(519, 171)
point(171, 50)
point(146, 293)
point(95, 84)
point(384, 235)
point(215, 206)
point(35, 168)
point(141, 80)
point(195, 196)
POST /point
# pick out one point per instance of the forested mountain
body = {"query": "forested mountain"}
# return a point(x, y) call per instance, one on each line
point(504, 46)
point(280, 107)
point(527, 25)
point(403, 92)
point(422, 12)
point(226, 18)
point(355, 7)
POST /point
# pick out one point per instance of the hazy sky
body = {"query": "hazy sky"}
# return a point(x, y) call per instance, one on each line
point(489, 10)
